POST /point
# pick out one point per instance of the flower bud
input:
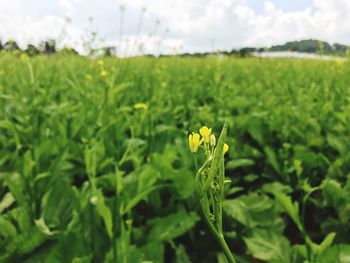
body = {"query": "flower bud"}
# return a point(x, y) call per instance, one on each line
point(212, 140)
point(225, 148)
point(194, 142)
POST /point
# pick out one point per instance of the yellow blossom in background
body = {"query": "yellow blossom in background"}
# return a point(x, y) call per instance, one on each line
point(225, 148)
point(194, 142)
point(88, 77)
point(141, 106)
point(100, 63)
point(103, 73)
point(24, 56)
point(340, 61)
point(205, 132)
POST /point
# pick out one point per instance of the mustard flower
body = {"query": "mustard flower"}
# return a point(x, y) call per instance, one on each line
point(194, 142)
point(103, 73)
point(141, 106)
point(205, 132)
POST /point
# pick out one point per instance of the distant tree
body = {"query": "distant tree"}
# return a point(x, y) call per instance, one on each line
point(233, 52)
point(309, 46)
point(48, 47)
point(11, 45)
point(32, 50)
point(340, 49)
point(68, 51)
point(226, 53)
point(109, 51)
point(245, 52)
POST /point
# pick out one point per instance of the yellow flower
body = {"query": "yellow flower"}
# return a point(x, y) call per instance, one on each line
point(24, 56)
point(100, 63)
point(103, 73)
point(194, 142)
point(205, 132)
point(225, 148)
point(141, 106)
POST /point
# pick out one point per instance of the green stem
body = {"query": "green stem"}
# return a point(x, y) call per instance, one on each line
point(195, 162)
point(218, 236)
point(226, 249)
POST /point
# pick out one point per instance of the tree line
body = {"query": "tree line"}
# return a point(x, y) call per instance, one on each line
point(48, 47)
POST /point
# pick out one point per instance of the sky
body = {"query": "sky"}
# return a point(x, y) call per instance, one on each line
point(167, 26)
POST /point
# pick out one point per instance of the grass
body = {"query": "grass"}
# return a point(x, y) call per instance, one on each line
point(89, 175)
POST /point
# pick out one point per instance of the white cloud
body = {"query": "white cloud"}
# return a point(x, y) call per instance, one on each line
point(26, 27)
point(326, 20)
point(69, 5)
point(233, 23)
point(195, 24)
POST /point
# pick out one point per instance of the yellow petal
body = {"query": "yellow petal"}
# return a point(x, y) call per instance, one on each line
point(141, 106)
point(194, 142)
point(190, 142)
point(103, 73)
point(225, 148)
point(205, 132)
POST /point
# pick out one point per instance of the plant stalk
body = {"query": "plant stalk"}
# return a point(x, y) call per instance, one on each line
point(218, 236)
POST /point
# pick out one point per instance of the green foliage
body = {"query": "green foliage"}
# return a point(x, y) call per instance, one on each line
point(312, 46)
point(170, 227)
point(268, 246)
point(97, 168)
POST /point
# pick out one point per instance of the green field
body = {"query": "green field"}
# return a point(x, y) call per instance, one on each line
point(95, 164)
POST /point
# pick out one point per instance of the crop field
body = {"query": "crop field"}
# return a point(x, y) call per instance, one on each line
point(95, 163)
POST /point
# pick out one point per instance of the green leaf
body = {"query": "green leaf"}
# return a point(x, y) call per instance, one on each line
point(272, 159)
point(333, 193)
point(43, 228)
point(104, 211)
point(28, 164)
point(252, 210)
point(335, 254)
point(218, 155)
point(147, 178)
point(172, 226)
point(17, 187)
point(326, 243)
point(57, 205)
point(256, 130)
point(153, 251)
point(267, 245)
point(6, 202)
point(181, 255)
point(7, 229)
point(336, 143)
point(136, 199)
point(183, 181)
point(238, 163)
point(292, 209)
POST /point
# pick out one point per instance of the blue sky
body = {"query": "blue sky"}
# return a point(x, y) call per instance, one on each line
point(291, 5)
point(196, 25)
